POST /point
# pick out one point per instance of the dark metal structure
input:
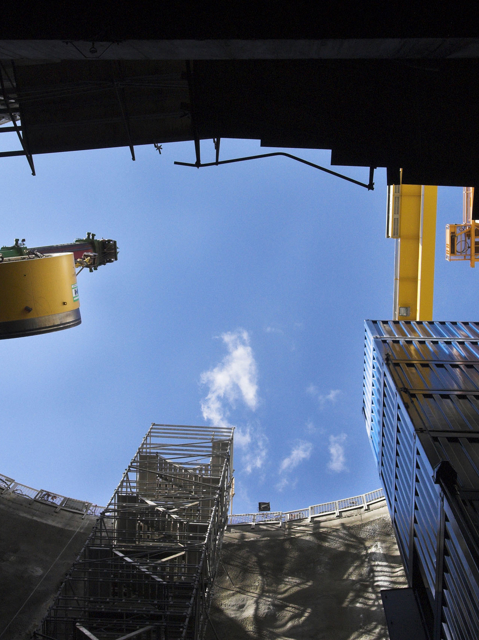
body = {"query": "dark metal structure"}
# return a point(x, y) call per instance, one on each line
point(148, 568)
point(421, 406)
point(378, 84)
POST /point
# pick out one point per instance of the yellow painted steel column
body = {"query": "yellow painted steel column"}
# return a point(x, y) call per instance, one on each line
point(473, 243)
point(415, 253)
point(427, 252)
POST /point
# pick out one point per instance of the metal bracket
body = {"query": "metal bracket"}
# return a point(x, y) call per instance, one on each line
point(198, 164)
point(123, 111)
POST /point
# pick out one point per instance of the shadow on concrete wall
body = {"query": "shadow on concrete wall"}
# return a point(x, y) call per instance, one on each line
point(38, 544)
point(309, 581)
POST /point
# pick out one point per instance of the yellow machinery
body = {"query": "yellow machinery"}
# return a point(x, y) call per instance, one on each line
point(38, 295)
point(411, 221)
point(38, 287)
point(460, 238)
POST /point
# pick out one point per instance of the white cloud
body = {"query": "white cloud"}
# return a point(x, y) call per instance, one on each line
point(242, 437)
point(282, 484)
point(332, 396)
point(254, 456)
point(273, 330)
point(337, 460)
point(309, 426)
point(301, 451)
point(235, 379)
point(323, 399)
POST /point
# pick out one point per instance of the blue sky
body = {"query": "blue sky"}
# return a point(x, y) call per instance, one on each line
point(239, 297)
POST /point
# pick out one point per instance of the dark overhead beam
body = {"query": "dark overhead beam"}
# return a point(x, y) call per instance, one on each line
point(105, 20)
point(383, 48)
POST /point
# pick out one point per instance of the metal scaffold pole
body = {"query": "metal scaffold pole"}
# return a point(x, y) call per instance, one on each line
point(148, 568)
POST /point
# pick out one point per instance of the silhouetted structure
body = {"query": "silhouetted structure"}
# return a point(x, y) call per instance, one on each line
point(377, 84)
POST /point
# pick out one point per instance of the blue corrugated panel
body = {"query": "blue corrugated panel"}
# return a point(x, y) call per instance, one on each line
point(404, 329)
point(430, 350)
point(463, 454)
point(461, 585)
point(426, 519)
point(367, 378)
point(388, 444)
point(426, 377)
point(447, 412)
point(403, 494)
point(421, 403)
point(372, 395)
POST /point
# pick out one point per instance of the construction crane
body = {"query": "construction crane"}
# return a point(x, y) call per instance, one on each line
point(459, 237)
point(411, 221)
point(38, 285)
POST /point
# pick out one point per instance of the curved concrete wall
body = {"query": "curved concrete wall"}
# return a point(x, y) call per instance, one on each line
point(318, 580)
point(295, 579)
point(38, 544)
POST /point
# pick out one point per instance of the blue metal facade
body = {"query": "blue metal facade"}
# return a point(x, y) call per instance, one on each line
point(421, 406)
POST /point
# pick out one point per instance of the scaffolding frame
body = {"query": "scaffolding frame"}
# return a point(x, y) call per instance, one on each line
point(147, 570)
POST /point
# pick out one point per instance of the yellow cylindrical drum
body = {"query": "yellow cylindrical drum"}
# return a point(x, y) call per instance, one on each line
point(38, 295)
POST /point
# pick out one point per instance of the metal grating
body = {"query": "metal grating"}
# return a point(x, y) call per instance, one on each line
point(148, 568)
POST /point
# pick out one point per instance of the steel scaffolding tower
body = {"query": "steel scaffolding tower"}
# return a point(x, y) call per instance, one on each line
point(147, 570)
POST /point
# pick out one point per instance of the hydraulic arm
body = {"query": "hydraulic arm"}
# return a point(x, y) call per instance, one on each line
point(87, 252)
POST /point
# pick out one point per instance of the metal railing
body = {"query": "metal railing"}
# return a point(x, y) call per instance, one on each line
point(336, 507)
point(8, 485)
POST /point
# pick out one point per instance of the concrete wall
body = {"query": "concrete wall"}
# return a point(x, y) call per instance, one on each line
point(317, 580)
point(320, 580)
point(38, 544)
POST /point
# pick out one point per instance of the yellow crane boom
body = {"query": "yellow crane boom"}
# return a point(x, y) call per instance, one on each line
point(412, 222)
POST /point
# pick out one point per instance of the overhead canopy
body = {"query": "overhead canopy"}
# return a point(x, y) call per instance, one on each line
point(377, 86)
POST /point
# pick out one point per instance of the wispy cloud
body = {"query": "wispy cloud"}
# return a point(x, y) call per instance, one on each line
point(323, 398)
point(309, 427)
point(233, 380)
point(337, 460)
point(301, 451)
point(274, 330)
point(282, 484)
point(254, 445)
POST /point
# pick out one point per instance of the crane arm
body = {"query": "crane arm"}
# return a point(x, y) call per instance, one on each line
point(87, 252)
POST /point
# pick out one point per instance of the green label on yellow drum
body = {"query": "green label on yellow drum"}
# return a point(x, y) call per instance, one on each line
point(76, 297)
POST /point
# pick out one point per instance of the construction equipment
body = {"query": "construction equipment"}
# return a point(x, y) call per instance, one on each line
point(87, 252)
point(459, 236)
point(411, 221)
point(38, 286)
